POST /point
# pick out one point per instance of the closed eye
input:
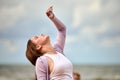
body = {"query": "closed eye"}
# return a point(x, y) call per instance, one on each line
point(35, 37)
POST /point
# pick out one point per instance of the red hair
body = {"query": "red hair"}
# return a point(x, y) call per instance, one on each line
point(31, 53)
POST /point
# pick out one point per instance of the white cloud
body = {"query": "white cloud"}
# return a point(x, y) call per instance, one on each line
point(8, 45)
point(92, 32)
point(95, 6)
point(83, 11)
point(96, 20)
point(77, 17)
point(9, 15)
point(110, 42)
point(71, 39)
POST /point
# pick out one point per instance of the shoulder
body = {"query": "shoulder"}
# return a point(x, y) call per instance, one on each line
point(42, 60)
point(49, 58)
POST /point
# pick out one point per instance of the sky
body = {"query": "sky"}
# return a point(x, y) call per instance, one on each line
point(93, 29)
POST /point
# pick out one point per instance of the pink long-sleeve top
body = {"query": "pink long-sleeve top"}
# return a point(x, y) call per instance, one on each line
point(41, 67)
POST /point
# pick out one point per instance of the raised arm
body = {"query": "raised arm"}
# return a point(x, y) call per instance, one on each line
point(61, 35)
point(61, 31)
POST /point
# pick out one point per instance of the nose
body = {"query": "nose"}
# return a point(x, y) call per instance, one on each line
point(42, 34)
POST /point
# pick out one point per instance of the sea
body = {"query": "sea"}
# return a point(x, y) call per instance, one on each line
point(87, 72)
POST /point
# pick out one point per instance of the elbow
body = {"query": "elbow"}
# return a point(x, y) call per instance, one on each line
point(62, 29)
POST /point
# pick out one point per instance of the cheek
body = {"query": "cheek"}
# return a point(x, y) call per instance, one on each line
point(39, 41)
point(34, 42)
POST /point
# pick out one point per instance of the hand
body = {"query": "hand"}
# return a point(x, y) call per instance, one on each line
point(50, 13)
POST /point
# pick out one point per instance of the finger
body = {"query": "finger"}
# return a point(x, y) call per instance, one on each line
point(51, 8)
point(48, 14)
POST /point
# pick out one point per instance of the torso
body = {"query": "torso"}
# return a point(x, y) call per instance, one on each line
point(50, 64)
point(59, 67)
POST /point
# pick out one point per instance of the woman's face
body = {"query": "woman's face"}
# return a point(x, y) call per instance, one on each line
point(40, 40)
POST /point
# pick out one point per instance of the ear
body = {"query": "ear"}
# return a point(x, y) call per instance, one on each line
point(38, 47)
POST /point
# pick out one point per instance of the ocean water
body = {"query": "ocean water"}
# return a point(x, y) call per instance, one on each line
point(87, 72)
point(98, 72)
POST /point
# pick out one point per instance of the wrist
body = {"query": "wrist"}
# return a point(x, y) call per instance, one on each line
point(52, 17)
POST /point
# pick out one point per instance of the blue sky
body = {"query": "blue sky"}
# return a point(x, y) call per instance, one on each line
point(93, 29)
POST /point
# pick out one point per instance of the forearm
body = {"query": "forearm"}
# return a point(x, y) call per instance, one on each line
point(59, 25)
point(61, 35)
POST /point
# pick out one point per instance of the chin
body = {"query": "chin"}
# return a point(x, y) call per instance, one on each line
point(47, 39)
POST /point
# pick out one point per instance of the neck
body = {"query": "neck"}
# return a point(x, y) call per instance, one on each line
point(48, 49)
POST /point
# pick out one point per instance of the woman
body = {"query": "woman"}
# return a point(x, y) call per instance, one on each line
point(49, 61)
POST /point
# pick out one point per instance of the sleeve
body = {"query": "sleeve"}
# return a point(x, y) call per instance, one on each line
point(40, 70)
point(61, 35)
